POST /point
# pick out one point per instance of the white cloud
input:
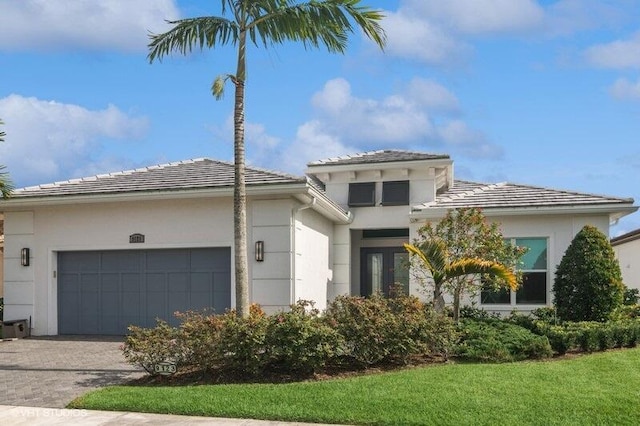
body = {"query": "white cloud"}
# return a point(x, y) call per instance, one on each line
point(46, 25)
point(312, 143)
point(49, 141)
point(432, 95)
point(619, 54)
point(414, 37)
point(566, 17)
point(380, 122)
point(411, 119)
point(482, 16)
point(625, 89)
point(471, 143)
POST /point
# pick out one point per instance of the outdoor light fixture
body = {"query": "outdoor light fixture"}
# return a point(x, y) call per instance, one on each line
point(260, 251)
point(24, 257)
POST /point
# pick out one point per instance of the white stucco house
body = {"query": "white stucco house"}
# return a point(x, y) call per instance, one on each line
point(92, 255)
point(627, 250)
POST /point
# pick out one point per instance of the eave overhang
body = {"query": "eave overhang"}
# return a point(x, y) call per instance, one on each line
point(300, 191)
point(615, 211)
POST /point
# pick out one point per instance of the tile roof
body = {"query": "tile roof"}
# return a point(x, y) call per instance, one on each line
point(381, 156)
point(183, 175)
point(625, 238)
point(509, 195)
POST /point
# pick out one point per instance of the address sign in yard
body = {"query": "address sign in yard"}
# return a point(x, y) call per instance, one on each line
point(165, 368)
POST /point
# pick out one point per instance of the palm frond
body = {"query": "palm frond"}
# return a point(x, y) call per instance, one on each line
point(472, 266)
point(207, 31)
point(6, 186)
point(313, 23)
point(433, 255)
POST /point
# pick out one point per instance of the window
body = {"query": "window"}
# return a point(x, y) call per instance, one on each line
point(362, 194)
point(533, 290)
point(395, 193)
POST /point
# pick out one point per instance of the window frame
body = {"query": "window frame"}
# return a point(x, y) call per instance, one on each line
point(387, 188)
point(368, 188)
point(513, 295)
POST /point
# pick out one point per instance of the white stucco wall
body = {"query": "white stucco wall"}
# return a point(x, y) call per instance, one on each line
point(271, 284)
point(559, 231)
point(313, 257)
point(628, 255)
point(32, 291)
point(19, 281)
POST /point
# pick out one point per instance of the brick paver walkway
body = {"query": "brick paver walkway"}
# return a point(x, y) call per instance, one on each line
point(52, 371)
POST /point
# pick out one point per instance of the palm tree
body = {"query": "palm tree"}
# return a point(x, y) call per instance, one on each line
point(264, 23)
point(433, 256)
point(5, 183)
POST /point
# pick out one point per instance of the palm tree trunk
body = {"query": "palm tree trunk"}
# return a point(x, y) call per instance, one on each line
point(457, 293)
point(239, 188)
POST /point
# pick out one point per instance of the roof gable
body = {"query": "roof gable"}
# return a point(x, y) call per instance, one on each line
point(183, 175)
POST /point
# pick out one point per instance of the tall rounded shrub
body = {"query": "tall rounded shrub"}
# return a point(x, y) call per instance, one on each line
point(588, 284)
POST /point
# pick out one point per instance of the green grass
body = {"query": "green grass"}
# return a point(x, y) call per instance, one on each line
point(598, 389)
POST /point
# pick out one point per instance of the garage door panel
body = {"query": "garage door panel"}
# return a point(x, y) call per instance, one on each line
point(156, 282)
point(131, 282)
point(120, 261)
point(110, 283)
point(69, 283)
point(213, 260)
point(201, 282)
point(104, 292)
point(201, 301)
point(89, 283)
point(178, 282)
point(162, 260)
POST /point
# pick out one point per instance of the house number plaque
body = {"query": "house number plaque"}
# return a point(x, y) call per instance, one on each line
point(165, 368)
point(136, 238)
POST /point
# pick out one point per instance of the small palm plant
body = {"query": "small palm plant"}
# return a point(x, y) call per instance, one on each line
point(434, 258)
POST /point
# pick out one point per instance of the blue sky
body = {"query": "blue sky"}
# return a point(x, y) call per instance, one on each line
point(544, 93)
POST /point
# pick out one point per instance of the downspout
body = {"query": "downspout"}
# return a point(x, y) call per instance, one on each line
point(294, 214)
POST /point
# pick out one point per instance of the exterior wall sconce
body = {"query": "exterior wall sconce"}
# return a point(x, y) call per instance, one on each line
point(24, 257)
point(260, 251)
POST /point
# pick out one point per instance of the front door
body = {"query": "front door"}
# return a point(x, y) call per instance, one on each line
point(382, 269)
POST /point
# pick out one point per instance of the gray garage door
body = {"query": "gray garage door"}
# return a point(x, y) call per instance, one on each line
point(102, 292)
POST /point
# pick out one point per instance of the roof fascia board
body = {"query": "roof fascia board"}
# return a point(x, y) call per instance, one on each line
point(615, 211)
point(410, 164)
point(302, 191)
point(272, 189)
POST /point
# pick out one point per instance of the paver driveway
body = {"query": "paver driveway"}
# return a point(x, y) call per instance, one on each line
point(51, 371)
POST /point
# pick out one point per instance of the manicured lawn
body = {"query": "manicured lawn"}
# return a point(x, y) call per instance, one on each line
point(603, 388)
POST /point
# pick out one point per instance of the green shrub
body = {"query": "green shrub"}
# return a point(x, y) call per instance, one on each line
point(149, 346)
point(631, 296)
point(472, 312)
point(588, 283)
point(499, 341)
point(379, 330)
point(241, 348)
point(625, 312)
point(299, 341)
point(200, 333)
